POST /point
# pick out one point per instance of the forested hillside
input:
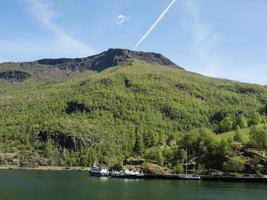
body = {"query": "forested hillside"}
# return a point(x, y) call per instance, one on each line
point(150, 112)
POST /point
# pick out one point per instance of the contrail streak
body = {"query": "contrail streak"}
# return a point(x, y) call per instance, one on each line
point(155, 24)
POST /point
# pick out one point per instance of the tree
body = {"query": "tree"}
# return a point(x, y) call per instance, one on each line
point(226, 125)
point(179, 168)
point(155, 153)
point(73, 159)
point(265, 109)
point(26, 140)
point(235, 164)
point(258, 137)
point(201, 169)
point(61, 162)
point(65, 155)
point(238, 137)
point(139, 144)
point(224, 147)
point(150, 139)
point(255, 119)
point(242, 121)
point(48, 149)
point(83, 158)
point(92, 157)
point(256, 166)
point(180, 155)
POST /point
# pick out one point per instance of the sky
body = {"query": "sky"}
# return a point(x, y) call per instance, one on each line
point(225, 39)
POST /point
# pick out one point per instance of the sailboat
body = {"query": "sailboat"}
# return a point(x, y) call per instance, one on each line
point(187, 176)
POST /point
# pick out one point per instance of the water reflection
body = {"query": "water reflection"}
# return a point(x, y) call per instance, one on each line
point(24, 185)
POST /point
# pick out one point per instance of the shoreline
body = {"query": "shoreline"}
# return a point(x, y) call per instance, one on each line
point(146, 177)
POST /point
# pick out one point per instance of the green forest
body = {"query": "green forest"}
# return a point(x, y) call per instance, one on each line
point(147, 113)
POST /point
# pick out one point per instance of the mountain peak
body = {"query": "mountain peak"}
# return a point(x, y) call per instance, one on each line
point(145, 56)
point(110, 58)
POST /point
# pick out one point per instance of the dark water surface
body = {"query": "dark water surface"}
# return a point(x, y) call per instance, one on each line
point(64, 185)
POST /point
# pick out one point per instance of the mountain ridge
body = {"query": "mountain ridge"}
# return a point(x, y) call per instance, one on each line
point(97, 63)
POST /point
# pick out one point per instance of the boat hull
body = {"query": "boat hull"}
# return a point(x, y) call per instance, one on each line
point(127, 176)
point(189, 177)
point(98, 174)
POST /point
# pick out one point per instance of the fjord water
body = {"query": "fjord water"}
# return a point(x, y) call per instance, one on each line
point(66, 185)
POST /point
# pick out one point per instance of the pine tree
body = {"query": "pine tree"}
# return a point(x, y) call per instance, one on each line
point(139, 144)
point(242, 121)
point(226, 124)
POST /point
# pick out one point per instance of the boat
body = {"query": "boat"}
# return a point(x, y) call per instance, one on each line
point(187, 176)
point(99, 171)
point(126, 173)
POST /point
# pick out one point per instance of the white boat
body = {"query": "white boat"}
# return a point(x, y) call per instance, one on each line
point(126, 173)
point(189, 177)
point(99, 171)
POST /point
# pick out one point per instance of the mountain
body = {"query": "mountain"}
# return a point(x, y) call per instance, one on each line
point(126, 107)
point(96, 63)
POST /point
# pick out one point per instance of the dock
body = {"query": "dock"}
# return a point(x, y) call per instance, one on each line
point(235, 179)
point(210, 178)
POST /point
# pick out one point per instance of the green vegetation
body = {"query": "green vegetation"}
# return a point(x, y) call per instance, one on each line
point(235, 164)
point(141, 110)
point(258, 137)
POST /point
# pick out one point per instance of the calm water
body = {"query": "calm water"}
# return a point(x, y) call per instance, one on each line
point(27, 185)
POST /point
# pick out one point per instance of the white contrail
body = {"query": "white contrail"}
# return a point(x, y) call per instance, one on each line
point(155, 24)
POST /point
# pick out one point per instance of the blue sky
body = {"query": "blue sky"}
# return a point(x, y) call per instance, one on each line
point(226, 39)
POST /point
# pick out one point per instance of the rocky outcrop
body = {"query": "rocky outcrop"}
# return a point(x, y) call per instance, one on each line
point(155, 169)
point(33, 162)
point(14, 75)
point(135, 161)
point(65, 141)
point(110, 58)
point(261, 155)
